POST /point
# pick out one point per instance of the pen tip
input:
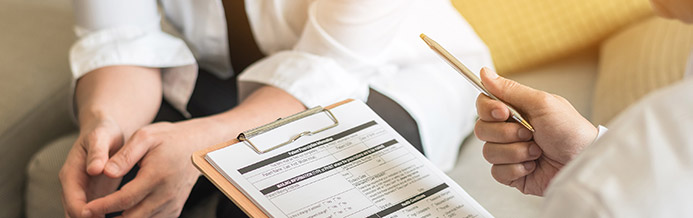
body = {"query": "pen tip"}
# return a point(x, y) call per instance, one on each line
point(423, 36)
point(526, 124)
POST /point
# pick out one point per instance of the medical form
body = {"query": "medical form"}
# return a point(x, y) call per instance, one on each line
point(361, 168)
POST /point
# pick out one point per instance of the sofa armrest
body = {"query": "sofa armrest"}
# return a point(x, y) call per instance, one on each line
point(34, 87)
point(19, 142)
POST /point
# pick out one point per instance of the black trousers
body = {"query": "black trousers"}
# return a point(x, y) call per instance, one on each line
point(213, 95)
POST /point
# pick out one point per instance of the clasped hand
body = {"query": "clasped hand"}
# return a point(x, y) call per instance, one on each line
point(100, 158)
point(522, 159)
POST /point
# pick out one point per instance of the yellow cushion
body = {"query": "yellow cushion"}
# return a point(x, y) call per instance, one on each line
point(638, 60)
point(525, 33)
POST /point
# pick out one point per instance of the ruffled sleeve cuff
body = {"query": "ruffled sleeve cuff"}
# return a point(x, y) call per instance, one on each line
point(128, 46)
point(138, 47)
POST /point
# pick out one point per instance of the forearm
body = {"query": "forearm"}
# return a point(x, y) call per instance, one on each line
point(128, 95)
point(262, 106)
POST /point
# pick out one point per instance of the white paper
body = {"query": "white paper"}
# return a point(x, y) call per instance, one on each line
point(361, 168)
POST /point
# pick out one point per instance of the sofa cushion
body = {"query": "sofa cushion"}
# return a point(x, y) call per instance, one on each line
point(638, 60)
point(526, 33)
point(43, 192)
point(571, 77)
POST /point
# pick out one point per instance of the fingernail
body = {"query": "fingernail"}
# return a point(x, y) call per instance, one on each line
point(491, 73)
point(86, 213)
point(528, 165)
point(112, 167)
point(523, 133)
point(534, 150)
point(496, 113)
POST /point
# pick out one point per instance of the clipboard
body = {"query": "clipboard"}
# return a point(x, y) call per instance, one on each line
point(243, 202)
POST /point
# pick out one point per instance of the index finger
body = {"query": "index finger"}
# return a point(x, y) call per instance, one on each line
point(73, 179)
point(491, 110)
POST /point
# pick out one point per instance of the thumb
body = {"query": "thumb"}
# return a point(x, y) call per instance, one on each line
point(98, 143)
point(517, 95)
point(128, 155)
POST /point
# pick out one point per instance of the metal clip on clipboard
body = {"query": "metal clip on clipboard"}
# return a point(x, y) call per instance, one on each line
point(247, 135)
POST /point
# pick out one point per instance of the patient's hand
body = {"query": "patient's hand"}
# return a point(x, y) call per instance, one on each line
point(521, 159)
point(81, 175)
point(166, 175)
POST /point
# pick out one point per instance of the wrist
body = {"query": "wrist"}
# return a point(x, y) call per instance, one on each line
point(91, 117)
point(593, 135)
point(213, 129)
point(601, 130)
point(587, 135)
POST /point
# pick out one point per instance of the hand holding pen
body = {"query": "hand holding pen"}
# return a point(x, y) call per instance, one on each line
point(521, 159)
point(524, 159)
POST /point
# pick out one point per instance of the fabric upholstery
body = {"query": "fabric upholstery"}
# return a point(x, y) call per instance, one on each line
point(638, 60)
point(43, 192)
point(571, 77)
point(33, 88)
point(526, 33)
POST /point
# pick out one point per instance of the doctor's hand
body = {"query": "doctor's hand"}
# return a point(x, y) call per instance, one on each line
point(522, 159)
point(81, 175)
point(166, 175)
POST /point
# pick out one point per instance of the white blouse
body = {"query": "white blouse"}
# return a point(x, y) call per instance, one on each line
point(319, 51)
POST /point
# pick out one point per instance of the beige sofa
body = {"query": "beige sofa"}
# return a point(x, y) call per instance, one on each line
point(33, 110)
point(34, 81)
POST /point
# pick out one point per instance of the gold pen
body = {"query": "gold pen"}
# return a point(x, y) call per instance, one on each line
point(472, 78)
